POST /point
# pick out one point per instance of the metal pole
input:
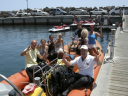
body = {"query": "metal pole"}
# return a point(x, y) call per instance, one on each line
point(112, 43)
point(27, 7)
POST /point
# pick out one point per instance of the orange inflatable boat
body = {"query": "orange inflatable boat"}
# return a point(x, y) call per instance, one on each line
point(22, 76)
point(87, 91)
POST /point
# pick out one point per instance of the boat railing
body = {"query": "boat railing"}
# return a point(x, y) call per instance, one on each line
point(45, 65)
point(8, 81)
point(45, 77)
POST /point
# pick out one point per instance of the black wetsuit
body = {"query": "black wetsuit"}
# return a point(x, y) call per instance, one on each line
point(51, 51)
point(78, 32)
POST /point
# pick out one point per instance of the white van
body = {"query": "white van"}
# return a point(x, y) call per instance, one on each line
point(57, 11)
point(38, 12)
point(116, 10)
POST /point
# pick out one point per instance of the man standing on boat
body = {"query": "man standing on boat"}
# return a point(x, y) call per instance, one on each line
point(85, 65)
point(78, 31)
point(31, 53)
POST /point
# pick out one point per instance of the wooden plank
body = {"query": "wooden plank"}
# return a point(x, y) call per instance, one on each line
point(119, 92)
point(118, 84)
point(115, 94)
point(119, 70)
point(125, 77)
point(119, 74)
point(114, 87)
point(118, 79)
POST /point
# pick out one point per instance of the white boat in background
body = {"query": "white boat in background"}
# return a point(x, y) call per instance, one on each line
point(59, 28)
point(83, 23)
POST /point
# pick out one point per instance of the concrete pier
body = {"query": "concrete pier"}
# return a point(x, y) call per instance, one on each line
point(112, 79)
point(58, 19)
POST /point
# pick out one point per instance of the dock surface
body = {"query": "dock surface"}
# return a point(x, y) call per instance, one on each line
point(112, 79)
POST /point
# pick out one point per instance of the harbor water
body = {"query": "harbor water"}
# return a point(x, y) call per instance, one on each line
point(15, 38)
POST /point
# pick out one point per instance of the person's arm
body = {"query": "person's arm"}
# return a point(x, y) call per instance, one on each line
point(96, 59)
point(66, 62)
point(38, 46)
point(47, 43)
point(62, 45)
point(99, 35)
point(55, 45)
point(26, 50)
point(42, 57)
point(47, 51)
point(86, 41)
point(76, 33)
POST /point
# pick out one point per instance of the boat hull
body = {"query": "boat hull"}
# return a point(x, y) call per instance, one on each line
point(17, 78)
point(81, 91)
point(22, 76)
point(83, 24)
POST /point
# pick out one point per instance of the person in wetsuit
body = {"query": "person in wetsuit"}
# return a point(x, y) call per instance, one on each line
point(51, 50)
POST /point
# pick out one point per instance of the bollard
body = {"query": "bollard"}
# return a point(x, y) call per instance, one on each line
point(112, 44)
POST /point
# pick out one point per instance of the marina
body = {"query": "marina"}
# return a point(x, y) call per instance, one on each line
point(114, 67)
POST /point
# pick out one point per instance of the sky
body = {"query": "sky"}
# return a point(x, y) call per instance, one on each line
point(10, 5)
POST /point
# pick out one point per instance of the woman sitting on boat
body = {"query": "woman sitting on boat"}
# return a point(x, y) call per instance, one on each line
point(83, 40)
point(58, 42)
point(85, 65)
point(91, 37)
point(51, 49)
point(43, 49)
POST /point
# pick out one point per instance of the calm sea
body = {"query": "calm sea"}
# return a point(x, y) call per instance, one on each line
point(14, 39)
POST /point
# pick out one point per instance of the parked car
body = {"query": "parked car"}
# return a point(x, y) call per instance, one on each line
point(78, 11)
point(11, 14)
point(116, 10)
point(99, 11)
point(39, 12)
point(57, 11)
point(22, 13)
point(8, 14)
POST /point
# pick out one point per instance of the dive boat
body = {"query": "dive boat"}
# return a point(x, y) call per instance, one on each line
point(59, 28)
point(84, 23)
point(16, 80)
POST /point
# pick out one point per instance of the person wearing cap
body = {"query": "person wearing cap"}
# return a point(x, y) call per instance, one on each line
point(91, 39)
point(85, 65)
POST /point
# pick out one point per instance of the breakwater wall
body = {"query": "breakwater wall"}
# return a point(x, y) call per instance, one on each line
point(47, 20)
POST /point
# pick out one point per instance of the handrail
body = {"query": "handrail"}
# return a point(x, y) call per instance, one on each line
point(8, 81)
point(45, 65)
